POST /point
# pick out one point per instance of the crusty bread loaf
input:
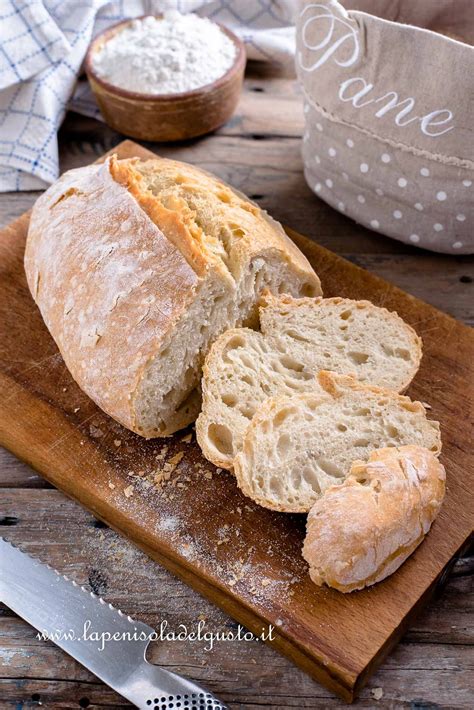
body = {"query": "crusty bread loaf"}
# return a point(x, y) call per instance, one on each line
point(298, 338)
point(137, 267)
point(360, 532)
point(297, 446)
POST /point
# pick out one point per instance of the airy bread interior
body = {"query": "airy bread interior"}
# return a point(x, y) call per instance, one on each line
point(345, 336)
point(167, 398)
point(297, 446)
point(299, 337)
point(216, 230)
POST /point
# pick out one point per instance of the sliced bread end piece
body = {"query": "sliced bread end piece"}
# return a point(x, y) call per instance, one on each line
point(297, 446)
point(360, 532)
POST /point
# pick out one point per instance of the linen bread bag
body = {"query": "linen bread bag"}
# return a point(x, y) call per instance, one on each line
point(137, 267)
point(389, 136)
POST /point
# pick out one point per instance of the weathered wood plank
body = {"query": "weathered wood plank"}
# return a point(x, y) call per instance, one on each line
point(14, 204)
point(250, 678)
point(445, 282)
point(16, 474)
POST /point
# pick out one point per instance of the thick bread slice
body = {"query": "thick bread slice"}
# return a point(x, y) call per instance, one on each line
point(297, 446)
point(346, 336)
point(239, 373)
point(137, 267)
point(299, 338)
point(360, 532)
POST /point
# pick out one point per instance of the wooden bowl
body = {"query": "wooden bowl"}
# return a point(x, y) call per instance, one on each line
point(167, 117)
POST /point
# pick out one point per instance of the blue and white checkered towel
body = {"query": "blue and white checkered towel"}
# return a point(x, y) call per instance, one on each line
point(42, 48)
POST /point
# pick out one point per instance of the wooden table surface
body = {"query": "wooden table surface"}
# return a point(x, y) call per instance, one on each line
point(259, 153)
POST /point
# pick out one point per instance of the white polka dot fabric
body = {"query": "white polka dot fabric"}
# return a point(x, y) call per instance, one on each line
point(390, 146)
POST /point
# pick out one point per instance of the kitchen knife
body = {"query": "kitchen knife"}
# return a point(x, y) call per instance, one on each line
point(82, 624)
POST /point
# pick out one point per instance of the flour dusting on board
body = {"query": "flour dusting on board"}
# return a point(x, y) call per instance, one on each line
point(165, 56)
point(184, 498)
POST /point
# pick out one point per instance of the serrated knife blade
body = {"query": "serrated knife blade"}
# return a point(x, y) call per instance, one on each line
point(82, 624)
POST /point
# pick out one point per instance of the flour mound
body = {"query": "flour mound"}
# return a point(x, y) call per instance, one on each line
point(166, 56)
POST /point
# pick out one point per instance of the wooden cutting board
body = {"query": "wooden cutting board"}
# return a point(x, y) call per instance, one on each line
point(198, 525)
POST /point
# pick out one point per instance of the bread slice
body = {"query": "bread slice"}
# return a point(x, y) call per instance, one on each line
point(298, 338)
point(297, 446)
point(360, 532)
point(137, 267)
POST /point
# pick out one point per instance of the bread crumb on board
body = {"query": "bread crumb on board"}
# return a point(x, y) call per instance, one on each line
point(163, 453)
point(377, 693)
point(128, 491)
point(174, 460)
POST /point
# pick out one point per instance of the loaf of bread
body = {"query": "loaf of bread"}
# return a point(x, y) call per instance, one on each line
point(137, 267)
point(360, 532)
point(299, 337)
point(297, 446)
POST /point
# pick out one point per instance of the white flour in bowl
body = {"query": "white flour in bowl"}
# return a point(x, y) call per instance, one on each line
point(166, 56)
